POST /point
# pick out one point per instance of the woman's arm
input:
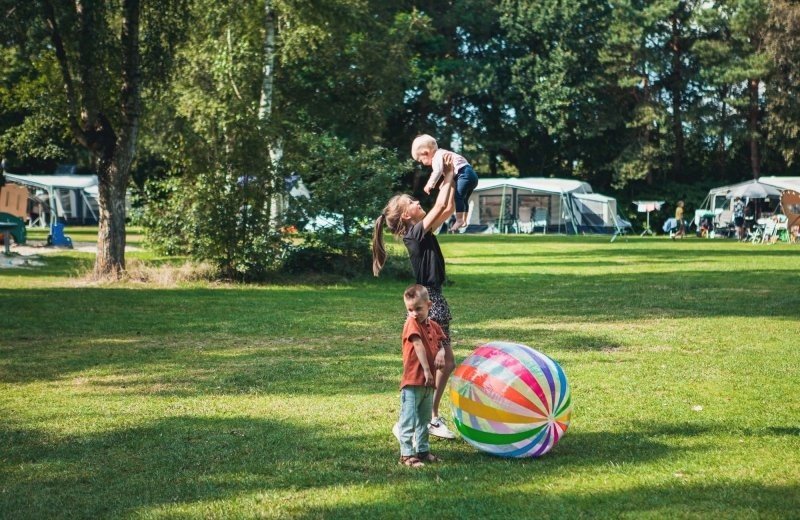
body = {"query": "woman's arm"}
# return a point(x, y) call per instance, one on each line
point(444, 205)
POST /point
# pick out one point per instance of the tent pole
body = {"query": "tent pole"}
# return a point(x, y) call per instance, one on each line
point(53, 209)
point(501, 221)
point(88, 206)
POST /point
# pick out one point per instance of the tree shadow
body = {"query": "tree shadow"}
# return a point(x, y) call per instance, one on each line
point(675, 499)
point(180, 459)
point(260, 339)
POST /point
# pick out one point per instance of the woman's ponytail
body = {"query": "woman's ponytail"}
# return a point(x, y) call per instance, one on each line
point(378, 250)
point(392, 217)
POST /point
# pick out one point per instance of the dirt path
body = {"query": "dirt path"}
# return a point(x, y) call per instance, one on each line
point(28, 255)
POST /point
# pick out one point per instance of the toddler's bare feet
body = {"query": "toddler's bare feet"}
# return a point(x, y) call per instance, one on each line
point(458, 224)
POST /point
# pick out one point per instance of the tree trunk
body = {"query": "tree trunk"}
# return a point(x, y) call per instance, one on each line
point(265, 104)
point(276, 203)
point(111, 150)
point(648, 175)
point(676, 81)
point(753, 127)
point(722, 160)
point(111, 234)
point(113, 175)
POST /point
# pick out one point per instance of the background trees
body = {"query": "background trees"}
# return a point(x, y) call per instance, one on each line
point(633, 96)
point(88, 59)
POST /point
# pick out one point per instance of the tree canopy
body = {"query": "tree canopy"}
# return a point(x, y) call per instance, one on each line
point(627, 94)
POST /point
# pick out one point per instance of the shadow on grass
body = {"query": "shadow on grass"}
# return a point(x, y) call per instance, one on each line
point(259, 338)
point(221, 366)
point(180, 460)
point(673, 500)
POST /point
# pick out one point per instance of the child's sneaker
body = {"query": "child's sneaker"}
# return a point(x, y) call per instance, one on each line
point(437, 428)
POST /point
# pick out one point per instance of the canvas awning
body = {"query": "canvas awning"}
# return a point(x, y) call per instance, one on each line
point(542, 184)
point(51, 184)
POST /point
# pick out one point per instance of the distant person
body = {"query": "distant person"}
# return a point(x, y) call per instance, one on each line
point(681, 232)
point(737, 209)
point(422, 340)
point(406, 219)
point(425, 150)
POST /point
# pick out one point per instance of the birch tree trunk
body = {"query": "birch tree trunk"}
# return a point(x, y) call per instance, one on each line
point(753, 126)
point(265, 108)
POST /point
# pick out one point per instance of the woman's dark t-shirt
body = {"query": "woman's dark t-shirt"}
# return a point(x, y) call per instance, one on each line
point(426, 257)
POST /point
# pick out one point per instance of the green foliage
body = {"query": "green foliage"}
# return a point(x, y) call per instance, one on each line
point(216, 218)
point(627, 94)
point(782, 44)
point(342, 66)
point(31, 114)
point(214, 199)
point(349, 189)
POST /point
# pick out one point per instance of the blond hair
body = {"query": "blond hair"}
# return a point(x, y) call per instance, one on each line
point(420, 142)
point(415, 291)
point(392, 216)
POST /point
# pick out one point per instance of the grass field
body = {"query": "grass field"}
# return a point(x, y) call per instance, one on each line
point(218, 401)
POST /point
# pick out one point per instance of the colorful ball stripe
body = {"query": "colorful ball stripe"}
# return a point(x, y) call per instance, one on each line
point(510, 400)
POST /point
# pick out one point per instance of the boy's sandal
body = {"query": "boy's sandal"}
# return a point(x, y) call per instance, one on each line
point(428, 457)
point(411, 461)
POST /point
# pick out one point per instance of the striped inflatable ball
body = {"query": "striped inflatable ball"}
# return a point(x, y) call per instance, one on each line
point(509, 400)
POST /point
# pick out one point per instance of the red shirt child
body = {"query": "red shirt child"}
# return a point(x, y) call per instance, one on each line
point(422, 338)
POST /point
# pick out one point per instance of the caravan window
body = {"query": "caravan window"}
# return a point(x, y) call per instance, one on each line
point(493, 207)
point(532, 201)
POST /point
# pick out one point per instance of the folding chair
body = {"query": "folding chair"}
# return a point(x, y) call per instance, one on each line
point(540, 219)
point(525, 222)
point(770, 229)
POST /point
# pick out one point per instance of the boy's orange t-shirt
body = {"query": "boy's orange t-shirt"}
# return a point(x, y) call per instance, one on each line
point(431, 334)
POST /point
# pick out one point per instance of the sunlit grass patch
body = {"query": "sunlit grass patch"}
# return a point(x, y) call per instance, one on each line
point(155, 399)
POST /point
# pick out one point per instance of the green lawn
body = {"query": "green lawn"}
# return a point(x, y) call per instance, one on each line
point(221, 401)
point(84, 234)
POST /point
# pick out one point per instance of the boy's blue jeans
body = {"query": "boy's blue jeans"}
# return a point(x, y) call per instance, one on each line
point(416, 406)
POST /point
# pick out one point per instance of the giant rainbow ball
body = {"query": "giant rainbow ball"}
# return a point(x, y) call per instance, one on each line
point(509, 400)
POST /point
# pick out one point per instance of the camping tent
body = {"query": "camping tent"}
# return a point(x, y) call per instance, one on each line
point(543, 204)
point(718, 199)
point(70, 198)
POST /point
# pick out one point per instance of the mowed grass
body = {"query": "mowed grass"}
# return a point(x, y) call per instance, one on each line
point(134, 234)
point(218, 401)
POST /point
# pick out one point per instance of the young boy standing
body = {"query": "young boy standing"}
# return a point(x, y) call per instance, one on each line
point(425, 150)
point(422, 338)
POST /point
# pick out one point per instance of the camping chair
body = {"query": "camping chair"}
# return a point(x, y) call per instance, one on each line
point(525, 222)
point(770, 230)
point(754, 235)
point(57, 236)
point(540, 220)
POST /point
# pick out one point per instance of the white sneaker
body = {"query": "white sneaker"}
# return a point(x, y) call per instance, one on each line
point(438, 428)
point(396, 432)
